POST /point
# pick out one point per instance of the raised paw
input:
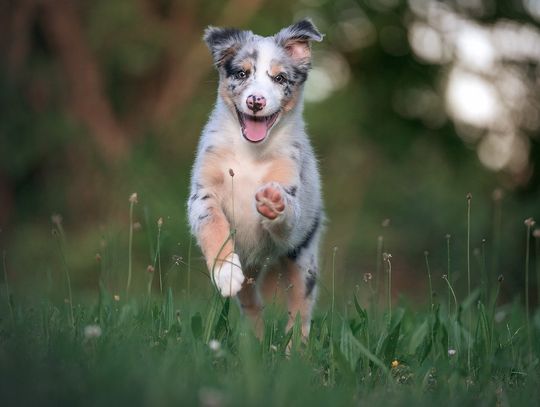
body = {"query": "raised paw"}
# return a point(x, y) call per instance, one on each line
point(228, 276)
point(270, 202)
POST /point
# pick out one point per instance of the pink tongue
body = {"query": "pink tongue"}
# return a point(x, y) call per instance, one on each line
point(255, 130)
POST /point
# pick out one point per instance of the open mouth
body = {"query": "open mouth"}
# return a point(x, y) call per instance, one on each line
point(256, 128)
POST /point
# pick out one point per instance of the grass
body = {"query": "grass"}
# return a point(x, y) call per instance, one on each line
point(177, 347)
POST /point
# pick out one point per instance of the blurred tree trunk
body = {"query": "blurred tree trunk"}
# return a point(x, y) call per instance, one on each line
point(87, 100)
point(189, 66)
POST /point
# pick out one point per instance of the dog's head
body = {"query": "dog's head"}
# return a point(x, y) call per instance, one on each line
point(261, 77)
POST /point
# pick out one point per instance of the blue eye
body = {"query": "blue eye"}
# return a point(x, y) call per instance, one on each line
point(241, 75)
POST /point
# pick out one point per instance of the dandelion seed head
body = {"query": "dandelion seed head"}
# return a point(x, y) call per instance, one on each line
point(452, 352)
point(150, 269)
point(529, 222)
point(497, 194)
point(137, 226)
point(160, 222)
point(214, 344)
point(469, 196)
point(210, 397)
point(367, 277)
point(56, 219)
point(134, 198)
point(116, 297)
point(92, 331)
point(499, 316)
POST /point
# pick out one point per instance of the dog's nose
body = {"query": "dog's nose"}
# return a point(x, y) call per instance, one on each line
point(256, 102)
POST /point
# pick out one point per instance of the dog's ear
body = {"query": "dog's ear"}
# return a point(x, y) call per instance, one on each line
point(296, 39)
point(224, 42)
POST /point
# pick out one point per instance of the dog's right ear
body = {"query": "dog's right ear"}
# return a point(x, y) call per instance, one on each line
point(224, 42)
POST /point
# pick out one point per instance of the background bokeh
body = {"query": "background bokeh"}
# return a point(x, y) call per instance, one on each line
point(411, 105)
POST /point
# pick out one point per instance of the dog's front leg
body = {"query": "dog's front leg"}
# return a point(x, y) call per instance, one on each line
point(279, 208)
point(213, 234)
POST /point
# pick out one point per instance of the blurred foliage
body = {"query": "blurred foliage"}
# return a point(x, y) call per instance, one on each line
point(154, 89)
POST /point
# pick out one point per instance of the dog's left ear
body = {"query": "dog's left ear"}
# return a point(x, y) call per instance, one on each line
point(296, 40)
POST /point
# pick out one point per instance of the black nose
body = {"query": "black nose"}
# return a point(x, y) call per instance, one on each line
point(255, 103)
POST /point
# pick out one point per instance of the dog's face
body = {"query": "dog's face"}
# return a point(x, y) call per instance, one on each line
point(261, 77)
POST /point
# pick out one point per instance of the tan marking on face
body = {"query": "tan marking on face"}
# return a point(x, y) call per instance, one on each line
point(291, 103)
point(224, 92)
point(281, 170)
point(247, 65)
point(275, 68)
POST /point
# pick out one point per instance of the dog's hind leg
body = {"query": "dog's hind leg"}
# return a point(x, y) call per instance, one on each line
point(302, 274)
point(251, 305)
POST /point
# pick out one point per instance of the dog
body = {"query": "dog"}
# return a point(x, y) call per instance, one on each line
point(255, 205)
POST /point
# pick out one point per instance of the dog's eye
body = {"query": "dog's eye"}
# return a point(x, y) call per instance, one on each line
point(241, 75)
point(279, 78)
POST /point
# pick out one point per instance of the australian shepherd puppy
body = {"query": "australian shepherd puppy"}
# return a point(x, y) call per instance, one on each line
point(255, 204)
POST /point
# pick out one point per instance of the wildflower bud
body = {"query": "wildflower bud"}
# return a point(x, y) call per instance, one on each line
point(386, 256)
point(452, 352)
point(116, 297)
point(395, 364)
point(501, 278)
point(426, 253)
point(484, 240)
point(448, 235)
point(150, 269)
point(497, 194)
point(385, 223)
point(231, 172)
point(137, 226)
point(469, 196)
point(133, 198)
point(445, 277)
point(56, 219)
point(160, 223)
point(98, 257)
point(536, 233)
point(367, 277)
point(476, 251)
point(529, 222)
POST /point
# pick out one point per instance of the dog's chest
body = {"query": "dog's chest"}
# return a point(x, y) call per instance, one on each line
point(243, 176)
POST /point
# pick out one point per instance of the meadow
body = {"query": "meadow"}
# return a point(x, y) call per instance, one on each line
point(426, 294)
point(162, 345)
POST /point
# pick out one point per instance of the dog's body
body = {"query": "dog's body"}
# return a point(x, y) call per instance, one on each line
point(255, 205)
